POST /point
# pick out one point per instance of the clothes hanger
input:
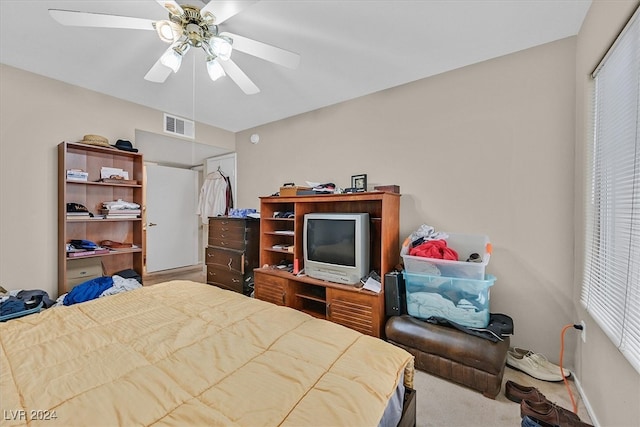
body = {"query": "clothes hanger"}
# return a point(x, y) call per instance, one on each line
point(216, 173)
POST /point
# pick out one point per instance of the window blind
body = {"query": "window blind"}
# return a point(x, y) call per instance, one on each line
point(611, 279)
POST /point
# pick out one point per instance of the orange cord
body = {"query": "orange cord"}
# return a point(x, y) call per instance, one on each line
point(566, 383)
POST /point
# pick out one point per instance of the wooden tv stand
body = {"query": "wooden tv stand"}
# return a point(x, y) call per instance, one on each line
point(347, 305)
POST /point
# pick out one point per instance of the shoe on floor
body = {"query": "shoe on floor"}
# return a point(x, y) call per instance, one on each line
point(516, 393)
point(542, 360)
point(550, 413)
point(536, 401)
point(534, 364)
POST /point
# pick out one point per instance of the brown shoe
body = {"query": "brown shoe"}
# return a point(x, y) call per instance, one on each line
point(516, 392)
point(550, 413)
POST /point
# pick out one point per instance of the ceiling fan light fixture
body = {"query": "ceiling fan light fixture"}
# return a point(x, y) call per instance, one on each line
point(214, 69)
point(222, 47)
point(191, 27)
point(172, 6)
point(167, 31)
point(172, 58)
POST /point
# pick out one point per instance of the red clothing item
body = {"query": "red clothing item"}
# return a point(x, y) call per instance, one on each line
point(434, 249)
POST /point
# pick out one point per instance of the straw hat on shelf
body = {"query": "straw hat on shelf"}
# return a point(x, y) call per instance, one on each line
point(96, 140)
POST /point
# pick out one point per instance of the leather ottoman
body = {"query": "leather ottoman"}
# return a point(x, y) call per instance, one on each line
point(451, 354)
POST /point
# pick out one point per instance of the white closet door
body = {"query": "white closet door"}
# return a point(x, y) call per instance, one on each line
point(172, 220)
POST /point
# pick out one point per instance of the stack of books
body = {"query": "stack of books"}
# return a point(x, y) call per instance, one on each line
point(77, 253)
point(80, 248)
point(120, 213)
point(78, 215)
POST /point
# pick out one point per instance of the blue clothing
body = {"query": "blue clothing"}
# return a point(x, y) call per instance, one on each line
point(529, 422)
point(12, 305)
point(91, 289)
point(241, 213)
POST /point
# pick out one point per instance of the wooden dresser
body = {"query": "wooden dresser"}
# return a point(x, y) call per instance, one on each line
point(233, 253)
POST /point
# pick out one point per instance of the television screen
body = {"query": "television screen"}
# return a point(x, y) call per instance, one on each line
point(332, 241)
point(336, 246)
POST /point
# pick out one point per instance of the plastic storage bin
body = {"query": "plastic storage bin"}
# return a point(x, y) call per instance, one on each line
point(463, 301)
point(464, 245)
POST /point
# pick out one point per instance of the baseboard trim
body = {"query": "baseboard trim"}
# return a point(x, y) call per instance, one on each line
point(585, 401)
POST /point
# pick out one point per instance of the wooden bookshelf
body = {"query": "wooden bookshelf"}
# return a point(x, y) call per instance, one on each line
point(92, 194)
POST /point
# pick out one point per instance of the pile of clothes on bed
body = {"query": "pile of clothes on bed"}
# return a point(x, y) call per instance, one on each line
point(17, 302)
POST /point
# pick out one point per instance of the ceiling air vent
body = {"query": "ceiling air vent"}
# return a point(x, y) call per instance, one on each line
point(177, 126)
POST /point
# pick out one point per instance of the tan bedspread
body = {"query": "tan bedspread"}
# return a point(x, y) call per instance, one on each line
point(183, 353)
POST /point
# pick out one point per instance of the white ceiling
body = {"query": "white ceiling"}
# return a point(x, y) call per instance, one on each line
point(348, 49)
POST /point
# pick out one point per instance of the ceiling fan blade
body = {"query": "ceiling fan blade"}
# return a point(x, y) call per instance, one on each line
point(89, 19)
point(173, 7)
point(158, 73)
point(225, 9)
point(264, 51)
point(239, 77)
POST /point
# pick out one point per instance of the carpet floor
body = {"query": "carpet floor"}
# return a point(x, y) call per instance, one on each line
point(441, 403)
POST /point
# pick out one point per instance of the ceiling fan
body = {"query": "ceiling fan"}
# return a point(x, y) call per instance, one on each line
point(191, 27)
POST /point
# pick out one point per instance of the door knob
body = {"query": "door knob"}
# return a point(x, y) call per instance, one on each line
point(152, 224)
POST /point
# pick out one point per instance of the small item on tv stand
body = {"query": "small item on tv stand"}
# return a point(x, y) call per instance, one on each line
point(373, 274)
point(371, 282)
point(388, 188)
point(359, 181)
point(284, 265)
point(354, 190)
point(293, 190)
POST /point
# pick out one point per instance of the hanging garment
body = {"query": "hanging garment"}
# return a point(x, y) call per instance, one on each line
point(229, 195)
point(213, 196)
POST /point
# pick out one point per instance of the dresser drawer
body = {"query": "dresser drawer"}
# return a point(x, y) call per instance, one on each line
point(224, 278)
point(225, 258)
point(234, 233)
point(229, 228)
point(223, 242)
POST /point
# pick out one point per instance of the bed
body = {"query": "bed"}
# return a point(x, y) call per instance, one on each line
point(183, 353)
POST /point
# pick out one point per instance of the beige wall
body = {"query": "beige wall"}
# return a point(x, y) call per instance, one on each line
point(486, 149)
point(37, 113)
point(489, 149)
point(610, 383)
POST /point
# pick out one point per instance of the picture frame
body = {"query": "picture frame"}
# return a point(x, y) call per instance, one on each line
point(359, 181)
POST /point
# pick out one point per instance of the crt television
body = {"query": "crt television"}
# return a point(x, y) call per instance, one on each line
point(336, 246)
